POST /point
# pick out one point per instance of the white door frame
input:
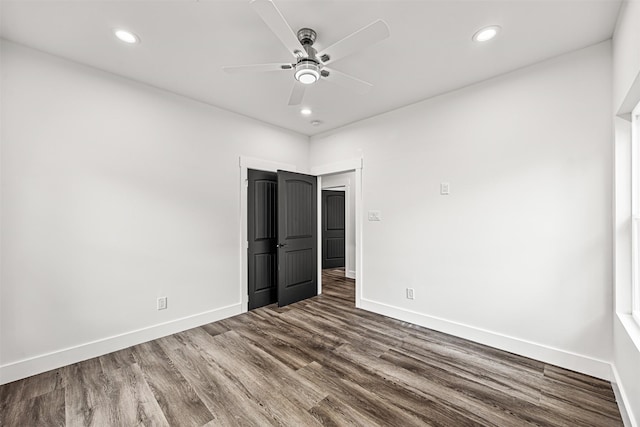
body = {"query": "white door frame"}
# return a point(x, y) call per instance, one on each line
point(247, 163)
point(344, 166)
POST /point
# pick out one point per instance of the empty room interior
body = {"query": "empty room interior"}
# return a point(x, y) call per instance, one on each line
point(303, 213)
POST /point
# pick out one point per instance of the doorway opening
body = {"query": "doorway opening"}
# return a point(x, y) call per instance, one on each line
point(343, 176)
point(338, 234)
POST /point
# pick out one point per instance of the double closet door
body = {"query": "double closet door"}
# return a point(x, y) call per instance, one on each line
point(282, 237)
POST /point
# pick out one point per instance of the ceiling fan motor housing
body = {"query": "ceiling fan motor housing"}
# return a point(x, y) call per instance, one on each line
point(306, 36)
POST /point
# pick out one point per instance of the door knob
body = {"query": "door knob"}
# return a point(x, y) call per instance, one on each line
point(281, 245)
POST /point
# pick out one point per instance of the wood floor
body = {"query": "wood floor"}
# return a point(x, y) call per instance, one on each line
point(317, 362)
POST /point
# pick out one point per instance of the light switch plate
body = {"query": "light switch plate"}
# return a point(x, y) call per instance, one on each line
point(374, 216)
point(444, 188)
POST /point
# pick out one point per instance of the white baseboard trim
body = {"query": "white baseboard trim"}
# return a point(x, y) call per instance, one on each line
point(565, 359)
point(621, 398)
point(351, 274)
point(56, 359)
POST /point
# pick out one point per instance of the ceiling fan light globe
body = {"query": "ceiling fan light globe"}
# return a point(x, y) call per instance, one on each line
point(307, 73)
point(307, 77)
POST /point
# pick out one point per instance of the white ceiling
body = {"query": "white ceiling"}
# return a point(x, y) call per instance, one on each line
point(430, 51)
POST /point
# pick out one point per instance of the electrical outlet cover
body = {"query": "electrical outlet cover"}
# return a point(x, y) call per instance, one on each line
point(410, 293)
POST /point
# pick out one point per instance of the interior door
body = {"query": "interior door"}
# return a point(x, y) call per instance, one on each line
point(333, 229)
point(262, 236)
point(297, 237)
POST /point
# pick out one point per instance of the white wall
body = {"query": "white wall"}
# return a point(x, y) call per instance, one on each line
point(347, 180)
point(113, 194)
point(626, 337)
point(519, 255)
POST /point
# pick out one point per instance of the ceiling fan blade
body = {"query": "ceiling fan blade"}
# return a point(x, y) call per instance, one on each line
point(347, 81)
point(297, 94)
point(256, 68)
point(361, 39)
point(274, 20)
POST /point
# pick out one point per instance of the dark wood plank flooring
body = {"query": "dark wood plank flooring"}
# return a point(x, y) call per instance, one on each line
point(317, 362)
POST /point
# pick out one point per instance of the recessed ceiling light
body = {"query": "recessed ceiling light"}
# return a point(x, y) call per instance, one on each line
point(305, 111)
point(126, 36)
point(486, 33)
point(316, 123)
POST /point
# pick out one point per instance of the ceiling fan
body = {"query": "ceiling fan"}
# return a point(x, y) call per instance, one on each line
point(310, 65)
